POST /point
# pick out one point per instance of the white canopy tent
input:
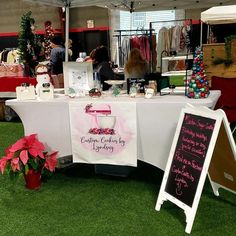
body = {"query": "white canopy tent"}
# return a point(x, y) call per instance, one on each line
point(218, 15)
point(144, 5)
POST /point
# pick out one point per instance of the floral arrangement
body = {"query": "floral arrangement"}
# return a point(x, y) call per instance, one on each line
point(25, 155)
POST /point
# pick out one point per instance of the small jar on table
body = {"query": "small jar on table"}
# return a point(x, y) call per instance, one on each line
point(153, 84)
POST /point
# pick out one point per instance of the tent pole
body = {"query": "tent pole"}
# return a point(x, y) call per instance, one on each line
point(67, 33)
point(201, 35)
point(208, 33)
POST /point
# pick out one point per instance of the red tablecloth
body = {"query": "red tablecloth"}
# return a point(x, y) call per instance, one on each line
point(9, 84)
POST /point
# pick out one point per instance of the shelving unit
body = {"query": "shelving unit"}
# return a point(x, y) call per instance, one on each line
point(165, 57)
point(177, 73)
point(179, 57)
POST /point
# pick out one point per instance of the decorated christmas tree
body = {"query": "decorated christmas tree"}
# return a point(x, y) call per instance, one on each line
point(28, 44)
point(49, 33)
point(198, 86)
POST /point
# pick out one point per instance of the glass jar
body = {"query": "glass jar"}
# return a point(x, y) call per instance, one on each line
point(153, 84)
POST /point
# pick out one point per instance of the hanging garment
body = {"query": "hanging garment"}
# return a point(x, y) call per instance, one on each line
point(145, 47)
point(161, 45)
point(4, 55)
point(188, 39)
point(142, 43)
point(175, 42)
point(10, 57)
point(153, 52)
point(124, 51)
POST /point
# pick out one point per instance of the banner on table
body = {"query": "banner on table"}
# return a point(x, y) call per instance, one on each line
point(104, 133)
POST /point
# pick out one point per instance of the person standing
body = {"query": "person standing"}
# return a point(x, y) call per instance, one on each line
point(57, 57)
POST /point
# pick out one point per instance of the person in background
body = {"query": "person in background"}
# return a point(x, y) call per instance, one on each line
point(136, 66)
point(91, 56)
point(77, 48)
point(102, 66)
point(70, 52)
point(57, 57)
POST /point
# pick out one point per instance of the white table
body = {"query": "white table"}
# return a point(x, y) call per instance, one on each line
point(156, 118)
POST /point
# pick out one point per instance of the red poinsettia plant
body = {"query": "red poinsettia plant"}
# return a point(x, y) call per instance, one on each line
point(28, 153)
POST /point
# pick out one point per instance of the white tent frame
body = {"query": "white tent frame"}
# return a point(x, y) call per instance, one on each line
point(163, 4)
point(217, 15)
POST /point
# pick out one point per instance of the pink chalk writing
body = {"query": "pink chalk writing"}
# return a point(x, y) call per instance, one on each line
point(180, 183)
point(192, 163)
point(189, 157)
point(183, 172)
point(189, 120)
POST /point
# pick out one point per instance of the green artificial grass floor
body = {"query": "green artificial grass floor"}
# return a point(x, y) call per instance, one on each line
point(76, 201)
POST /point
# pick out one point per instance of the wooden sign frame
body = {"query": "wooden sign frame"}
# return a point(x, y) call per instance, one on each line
point(78, 76)
point(190, 207)
point(222, 170)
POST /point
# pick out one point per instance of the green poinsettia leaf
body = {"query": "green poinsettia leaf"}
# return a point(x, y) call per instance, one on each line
point(93, 90)
point(34, 164)
point(26, 169)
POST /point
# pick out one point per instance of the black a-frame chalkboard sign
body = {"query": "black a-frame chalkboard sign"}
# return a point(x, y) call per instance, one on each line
point(198, 130)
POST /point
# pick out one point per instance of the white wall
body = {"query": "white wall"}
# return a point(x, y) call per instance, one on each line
point(79, 17)
point(11, 12)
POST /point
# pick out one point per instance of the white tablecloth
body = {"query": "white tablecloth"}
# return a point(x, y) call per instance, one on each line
point(156, 122)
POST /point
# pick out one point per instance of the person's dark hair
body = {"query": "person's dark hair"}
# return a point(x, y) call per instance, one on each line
point(57, 40)
point(101, 54)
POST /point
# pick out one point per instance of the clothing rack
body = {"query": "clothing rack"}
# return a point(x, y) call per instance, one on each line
point(165, 21)
point(9, 48)
point(137, 31)
point(128, 35)
point(144, 31)
point(122, 33)
point(160, 22)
